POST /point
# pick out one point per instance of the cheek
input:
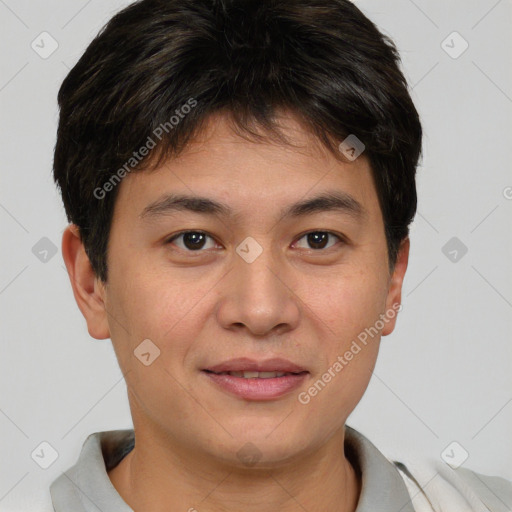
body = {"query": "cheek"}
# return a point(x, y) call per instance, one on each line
point(349, 305)
point(168, 307)
point(349, 302)
point(153, 302)
point(150, 307)
point(354, 339)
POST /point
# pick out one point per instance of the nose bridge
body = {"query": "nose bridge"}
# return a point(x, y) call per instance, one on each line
point(257, 295)
point(258, 276)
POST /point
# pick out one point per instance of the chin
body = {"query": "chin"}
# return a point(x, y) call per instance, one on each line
point(266, 447)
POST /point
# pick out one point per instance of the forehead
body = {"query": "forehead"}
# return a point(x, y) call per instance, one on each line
point(223, 164)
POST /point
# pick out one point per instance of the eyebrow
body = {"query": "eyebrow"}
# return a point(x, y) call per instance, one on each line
point(325, 202)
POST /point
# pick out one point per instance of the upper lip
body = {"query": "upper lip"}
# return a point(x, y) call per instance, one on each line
point(251, 365)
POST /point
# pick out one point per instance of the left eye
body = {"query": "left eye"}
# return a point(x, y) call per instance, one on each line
point(318, 239)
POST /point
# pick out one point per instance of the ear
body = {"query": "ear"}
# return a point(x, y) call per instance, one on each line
point(88, 289)
point(394, 298)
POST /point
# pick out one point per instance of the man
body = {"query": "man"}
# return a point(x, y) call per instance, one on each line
point(240, 177)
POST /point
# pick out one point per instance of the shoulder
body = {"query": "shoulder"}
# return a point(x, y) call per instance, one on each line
point(435, 486)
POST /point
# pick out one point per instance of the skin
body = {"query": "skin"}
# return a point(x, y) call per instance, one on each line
point(205, 306)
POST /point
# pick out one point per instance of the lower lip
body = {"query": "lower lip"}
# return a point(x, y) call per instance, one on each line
point(257, 389)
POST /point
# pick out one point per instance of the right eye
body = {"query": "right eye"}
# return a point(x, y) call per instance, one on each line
point(191, 241)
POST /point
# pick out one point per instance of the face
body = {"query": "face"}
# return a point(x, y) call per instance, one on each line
point(257, 283)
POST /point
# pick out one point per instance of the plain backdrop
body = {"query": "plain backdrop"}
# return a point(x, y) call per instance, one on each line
point(444, 375)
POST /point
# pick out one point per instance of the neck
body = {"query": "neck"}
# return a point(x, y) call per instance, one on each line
point(158, 475)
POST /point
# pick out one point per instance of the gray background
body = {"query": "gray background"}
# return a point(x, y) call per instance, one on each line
point(443, 375)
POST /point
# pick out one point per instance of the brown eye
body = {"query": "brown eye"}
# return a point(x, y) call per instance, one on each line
point(191, 240)
point(319, 239)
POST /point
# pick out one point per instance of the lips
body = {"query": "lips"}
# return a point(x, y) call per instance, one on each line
point(245, 367)
point(255, 375)
point(257, 380)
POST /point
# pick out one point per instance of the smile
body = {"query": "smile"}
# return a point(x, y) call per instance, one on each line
point(256, 386)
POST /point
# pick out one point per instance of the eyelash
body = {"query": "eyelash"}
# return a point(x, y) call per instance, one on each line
point(169, 241)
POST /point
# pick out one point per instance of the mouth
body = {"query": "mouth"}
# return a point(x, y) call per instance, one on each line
point(256, 375)
point(256, 380)
point(246, 365)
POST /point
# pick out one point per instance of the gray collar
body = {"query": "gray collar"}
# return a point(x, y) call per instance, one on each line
point(86, 487)
point(383, 488)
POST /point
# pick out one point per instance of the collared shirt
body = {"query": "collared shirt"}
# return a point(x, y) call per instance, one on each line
point(86, 487)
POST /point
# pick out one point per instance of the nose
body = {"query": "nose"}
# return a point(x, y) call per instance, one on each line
point(258, 297)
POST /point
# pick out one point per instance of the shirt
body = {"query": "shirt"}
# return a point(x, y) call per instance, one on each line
point(385, 487)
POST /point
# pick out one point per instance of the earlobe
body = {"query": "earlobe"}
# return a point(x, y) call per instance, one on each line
point(89, 292)
point(394, 297)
